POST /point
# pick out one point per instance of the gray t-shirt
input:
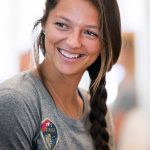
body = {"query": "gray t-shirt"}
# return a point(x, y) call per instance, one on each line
point(30, 120)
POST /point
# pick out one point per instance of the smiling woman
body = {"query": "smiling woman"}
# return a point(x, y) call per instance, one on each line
point(45, 105)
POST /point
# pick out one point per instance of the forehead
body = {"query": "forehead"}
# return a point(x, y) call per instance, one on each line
point(77, 10)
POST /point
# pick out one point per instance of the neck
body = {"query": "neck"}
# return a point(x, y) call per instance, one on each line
point(63, 90)
point(63, 84)
point(66, 100)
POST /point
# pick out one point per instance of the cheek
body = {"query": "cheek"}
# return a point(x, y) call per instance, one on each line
point(51, 37)
point(93, 48)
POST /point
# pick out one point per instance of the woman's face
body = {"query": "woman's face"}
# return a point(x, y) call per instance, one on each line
point(72, 37)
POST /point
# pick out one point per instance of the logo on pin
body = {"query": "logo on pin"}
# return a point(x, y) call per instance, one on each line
point(49, 134)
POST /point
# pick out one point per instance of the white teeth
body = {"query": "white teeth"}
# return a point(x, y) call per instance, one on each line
point(68, 55)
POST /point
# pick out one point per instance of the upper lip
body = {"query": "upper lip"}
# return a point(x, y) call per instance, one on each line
point(70, 51)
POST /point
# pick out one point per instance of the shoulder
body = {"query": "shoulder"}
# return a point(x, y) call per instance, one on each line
point(18, 94)
point(18, 105)
point(17, 100)
point(17, 82)
point(11, 104)
point(11, 90)
point(20, 85)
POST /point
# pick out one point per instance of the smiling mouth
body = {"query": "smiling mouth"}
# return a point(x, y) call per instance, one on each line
point(69, 55)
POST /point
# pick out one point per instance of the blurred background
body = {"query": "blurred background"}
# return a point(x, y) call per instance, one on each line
point(128, 81)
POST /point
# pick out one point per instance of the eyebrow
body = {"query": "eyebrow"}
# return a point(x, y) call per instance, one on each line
point(64, 18)
point(92, 26)
point(88, 26)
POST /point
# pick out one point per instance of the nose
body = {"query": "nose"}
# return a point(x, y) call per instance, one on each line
point(74, 39)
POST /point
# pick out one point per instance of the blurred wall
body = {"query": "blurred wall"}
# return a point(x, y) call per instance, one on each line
point(143, 59)
point(17, 19)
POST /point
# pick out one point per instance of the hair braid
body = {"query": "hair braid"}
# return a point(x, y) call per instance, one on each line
point(98, 109)
point(97, 117)
point(110, 29)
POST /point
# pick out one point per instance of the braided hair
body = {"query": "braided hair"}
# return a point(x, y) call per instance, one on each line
point(111, 44)
point(110, 31)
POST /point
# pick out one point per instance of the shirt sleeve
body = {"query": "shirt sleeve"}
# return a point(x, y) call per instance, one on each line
point(17, 125)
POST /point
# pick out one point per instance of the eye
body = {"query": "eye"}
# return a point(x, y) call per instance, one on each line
point(91, 34)
point(61, 25)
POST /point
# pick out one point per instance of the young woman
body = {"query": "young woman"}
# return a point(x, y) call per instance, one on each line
point(44, 108)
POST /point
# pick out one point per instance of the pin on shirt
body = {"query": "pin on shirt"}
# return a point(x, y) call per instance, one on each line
point(49, 134)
